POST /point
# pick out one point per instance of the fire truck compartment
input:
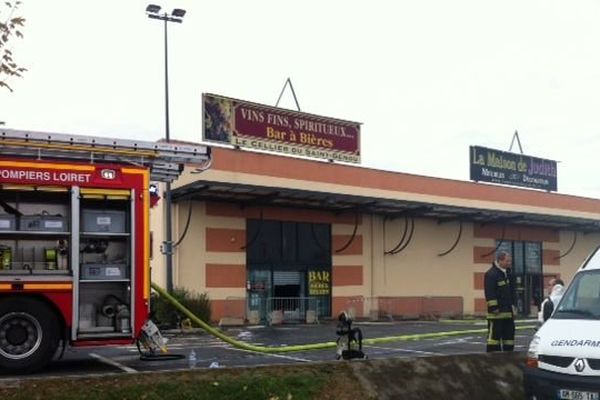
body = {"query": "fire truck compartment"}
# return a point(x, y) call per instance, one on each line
point(104, 271)
point(100, 304)
point(7, 222)
point(103, 221)
point(43, 223)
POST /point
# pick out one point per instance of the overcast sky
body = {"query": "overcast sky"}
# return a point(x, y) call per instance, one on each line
point(427, 78)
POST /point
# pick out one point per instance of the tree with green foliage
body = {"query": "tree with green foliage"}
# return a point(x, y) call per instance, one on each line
point(10, 27)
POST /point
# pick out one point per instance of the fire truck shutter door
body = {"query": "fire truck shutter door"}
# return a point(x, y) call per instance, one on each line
point(109, 194)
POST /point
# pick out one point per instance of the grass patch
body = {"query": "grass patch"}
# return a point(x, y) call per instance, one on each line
point(265, 383)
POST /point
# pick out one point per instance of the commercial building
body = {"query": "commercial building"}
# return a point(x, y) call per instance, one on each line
point(264, 226)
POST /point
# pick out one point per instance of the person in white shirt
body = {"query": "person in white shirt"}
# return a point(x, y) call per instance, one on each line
point(557, 289)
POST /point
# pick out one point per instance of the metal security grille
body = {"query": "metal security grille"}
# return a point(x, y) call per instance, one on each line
point(292, 309)
point(281, 278)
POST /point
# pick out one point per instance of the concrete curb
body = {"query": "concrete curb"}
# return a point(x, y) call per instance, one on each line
point(493, 376)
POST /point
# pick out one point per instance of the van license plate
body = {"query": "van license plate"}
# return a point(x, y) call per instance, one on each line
point(577, 395)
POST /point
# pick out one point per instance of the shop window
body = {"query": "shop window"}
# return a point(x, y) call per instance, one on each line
point(264, 241)
point(288, 243)
point(526, 256)
point(527, 272)
point(289, 239)
point(314, 243)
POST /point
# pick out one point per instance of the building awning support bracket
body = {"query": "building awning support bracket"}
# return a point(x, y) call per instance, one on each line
point(407, 212)
point(410, 236)
point(401, 239)
point(460, 229)
point(344, 247)
point(185, 230)
point(499, 242)
point(566, 253)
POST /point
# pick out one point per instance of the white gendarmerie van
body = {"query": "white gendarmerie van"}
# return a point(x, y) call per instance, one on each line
point(563, 361)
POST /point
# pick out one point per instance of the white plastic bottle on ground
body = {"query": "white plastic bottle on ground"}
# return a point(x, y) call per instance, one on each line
point(192, 360)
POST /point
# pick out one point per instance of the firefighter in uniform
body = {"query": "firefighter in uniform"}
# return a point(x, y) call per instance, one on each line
point(499, 296)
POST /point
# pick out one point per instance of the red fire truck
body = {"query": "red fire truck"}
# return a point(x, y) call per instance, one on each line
point(74, 240)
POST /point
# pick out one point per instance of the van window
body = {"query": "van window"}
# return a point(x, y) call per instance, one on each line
point(582, 299)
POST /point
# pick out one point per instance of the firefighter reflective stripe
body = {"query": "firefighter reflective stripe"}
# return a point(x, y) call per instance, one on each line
point(493, 342)
point(508, 342)
point(502, 315)
point(502, 283)
point(492, 303)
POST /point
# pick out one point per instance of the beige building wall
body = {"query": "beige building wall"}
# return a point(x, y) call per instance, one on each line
point(400, 283)
point(413, 282)
point(584, 245)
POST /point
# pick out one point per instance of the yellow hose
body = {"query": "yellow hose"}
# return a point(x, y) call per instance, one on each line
point(306, 347)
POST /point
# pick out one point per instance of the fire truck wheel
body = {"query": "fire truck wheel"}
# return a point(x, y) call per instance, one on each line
point(29, 334)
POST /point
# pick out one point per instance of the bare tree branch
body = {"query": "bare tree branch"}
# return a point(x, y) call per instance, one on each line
point(9, 29)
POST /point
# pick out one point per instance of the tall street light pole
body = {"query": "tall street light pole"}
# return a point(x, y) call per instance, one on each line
point(153, 11)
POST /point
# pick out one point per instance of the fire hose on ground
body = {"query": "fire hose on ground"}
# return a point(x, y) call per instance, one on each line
point(313, 346)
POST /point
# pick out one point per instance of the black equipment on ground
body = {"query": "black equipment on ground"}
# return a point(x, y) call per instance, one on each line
point(349, 341)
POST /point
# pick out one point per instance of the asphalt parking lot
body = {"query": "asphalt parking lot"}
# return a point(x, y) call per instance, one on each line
point(212, 352)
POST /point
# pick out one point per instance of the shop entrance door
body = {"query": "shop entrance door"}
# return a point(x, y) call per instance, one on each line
point(280, 255)
point(288, 293)
point(528, 275)
point(259, 289)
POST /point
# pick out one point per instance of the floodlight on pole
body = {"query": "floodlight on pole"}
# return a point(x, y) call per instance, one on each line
point(153, 12)
point(153, 9)
point(178, 12)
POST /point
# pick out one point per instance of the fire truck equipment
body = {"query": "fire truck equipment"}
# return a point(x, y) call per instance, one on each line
point(94, 193)
point(103, 221)
point(151, 338)
point(42, 222)
point(87, 316)
point(95, 246)
point(103, 271)
point(122, 318)
point(5, 257)
point(7, 222)
point(50, 258)
point(62, 257)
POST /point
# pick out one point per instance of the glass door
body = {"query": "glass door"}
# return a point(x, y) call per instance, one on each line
point(527, 274)
point(258, 290)
point(534, 279)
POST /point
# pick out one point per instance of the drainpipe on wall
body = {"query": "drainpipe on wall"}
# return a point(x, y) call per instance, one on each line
point(174, 259)
point(372, 256)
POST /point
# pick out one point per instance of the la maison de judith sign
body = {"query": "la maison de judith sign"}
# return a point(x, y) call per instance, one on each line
point(261, 127)
point(489, 165)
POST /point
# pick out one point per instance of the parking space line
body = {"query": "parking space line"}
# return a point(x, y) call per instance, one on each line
point(272, 355)
point(405, 350)
point(112, 363)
